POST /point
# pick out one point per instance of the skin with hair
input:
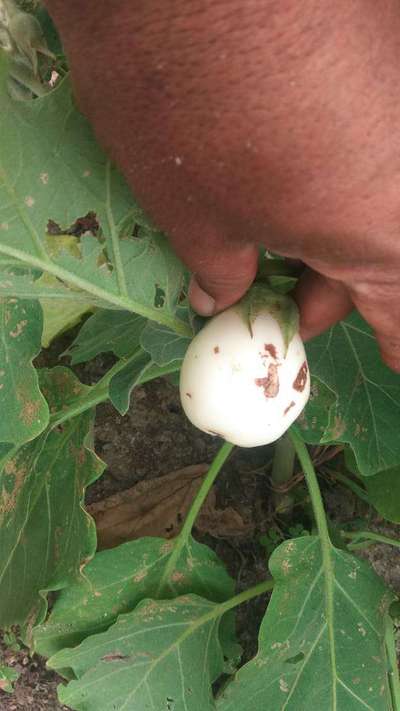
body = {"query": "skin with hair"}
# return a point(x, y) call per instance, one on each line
point(246, 123)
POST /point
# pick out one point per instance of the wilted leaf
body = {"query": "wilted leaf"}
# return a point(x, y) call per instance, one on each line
point(24, 411)
point(44, 533)
point(346, 358)
point(158, 507)
point(163, 655)
point(116, 580)
point(321, 643)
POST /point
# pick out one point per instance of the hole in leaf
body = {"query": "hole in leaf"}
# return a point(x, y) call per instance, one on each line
point(159, 299)
point(296, 659)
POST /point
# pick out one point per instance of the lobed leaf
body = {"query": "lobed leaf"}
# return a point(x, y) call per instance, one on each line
point(164, 345)
point(116, 331)
point(163, 655)
point(116, 580)
point(346, 358)
point(52, 169)
point(24, 409)
point(45, 535)
point(322, 640)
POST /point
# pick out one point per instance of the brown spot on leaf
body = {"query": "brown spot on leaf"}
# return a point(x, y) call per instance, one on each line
point(271, 350)
point(9, 498)
point(216, 349)
point(270, 383)
point(300, 380)
point(18, 329)
point(289, 407)
point(114, 657)
point(338, 428)
point(29, 412)
point(10, 467)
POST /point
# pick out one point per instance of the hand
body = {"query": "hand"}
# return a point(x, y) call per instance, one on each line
point(238, 124)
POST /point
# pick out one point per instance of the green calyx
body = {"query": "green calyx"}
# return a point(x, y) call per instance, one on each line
point(262, 299)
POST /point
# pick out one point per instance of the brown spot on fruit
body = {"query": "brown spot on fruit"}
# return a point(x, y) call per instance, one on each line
point(289, 407)
point(188, 395)
point(270, 384)
point(271, 350)
point(300, 380)
point(216, 349)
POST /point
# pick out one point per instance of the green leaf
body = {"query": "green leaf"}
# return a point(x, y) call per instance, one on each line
point(60, 314)
point(315, 418)
point(347, 360)
point(7, 677)
point(45, 535)
point(116, 331)
point(384, 493)
point(122, 384)
point(164, 345)
point(65, 175)
point(23, 407)
point(163, 655)
point(309, 658)
point(116, 580)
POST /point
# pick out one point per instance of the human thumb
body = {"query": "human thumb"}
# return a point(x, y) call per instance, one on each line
point(222, 276)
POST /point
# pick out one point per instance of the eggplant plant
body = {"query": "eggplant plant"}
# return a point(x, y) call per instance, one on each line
point(149, 624)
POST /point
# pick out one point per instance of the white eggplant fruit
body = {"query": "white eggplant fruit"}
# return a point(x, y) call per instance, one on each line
point(245, 375)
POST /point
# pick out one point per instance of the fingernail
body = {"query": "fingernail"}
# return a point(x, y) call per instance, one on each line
point(202, 302)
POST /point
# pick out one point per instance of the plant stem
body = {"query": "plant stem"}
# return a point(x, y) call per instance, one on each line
point(100, 392)
point(369, 536)
point(326, 545)
point(313, 487)
point(244, 596)
point(355, 488)
point(201, 496)
point(393, 672)
point(282, 472)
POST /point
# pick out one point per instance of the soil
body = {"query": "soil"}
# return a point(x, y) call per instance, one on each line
point(153, 439)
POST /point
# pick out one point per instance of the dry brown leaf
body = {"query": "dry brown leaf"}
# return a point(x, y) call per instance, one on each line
point(158, 507)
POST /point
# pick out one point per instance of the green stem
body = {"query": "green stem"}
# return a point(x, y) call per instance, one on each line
point(244, 596)
point(201, 496)
point(369, 536)
point(100, 392)
point(326, 545)
point(282, 473)
point(355, 488)
point(313, 487)
point(283, 463)
point(393, 672)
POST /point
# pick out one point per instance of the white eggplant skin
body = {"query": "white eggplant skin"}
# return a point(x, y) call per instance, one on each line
point(239, 384)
